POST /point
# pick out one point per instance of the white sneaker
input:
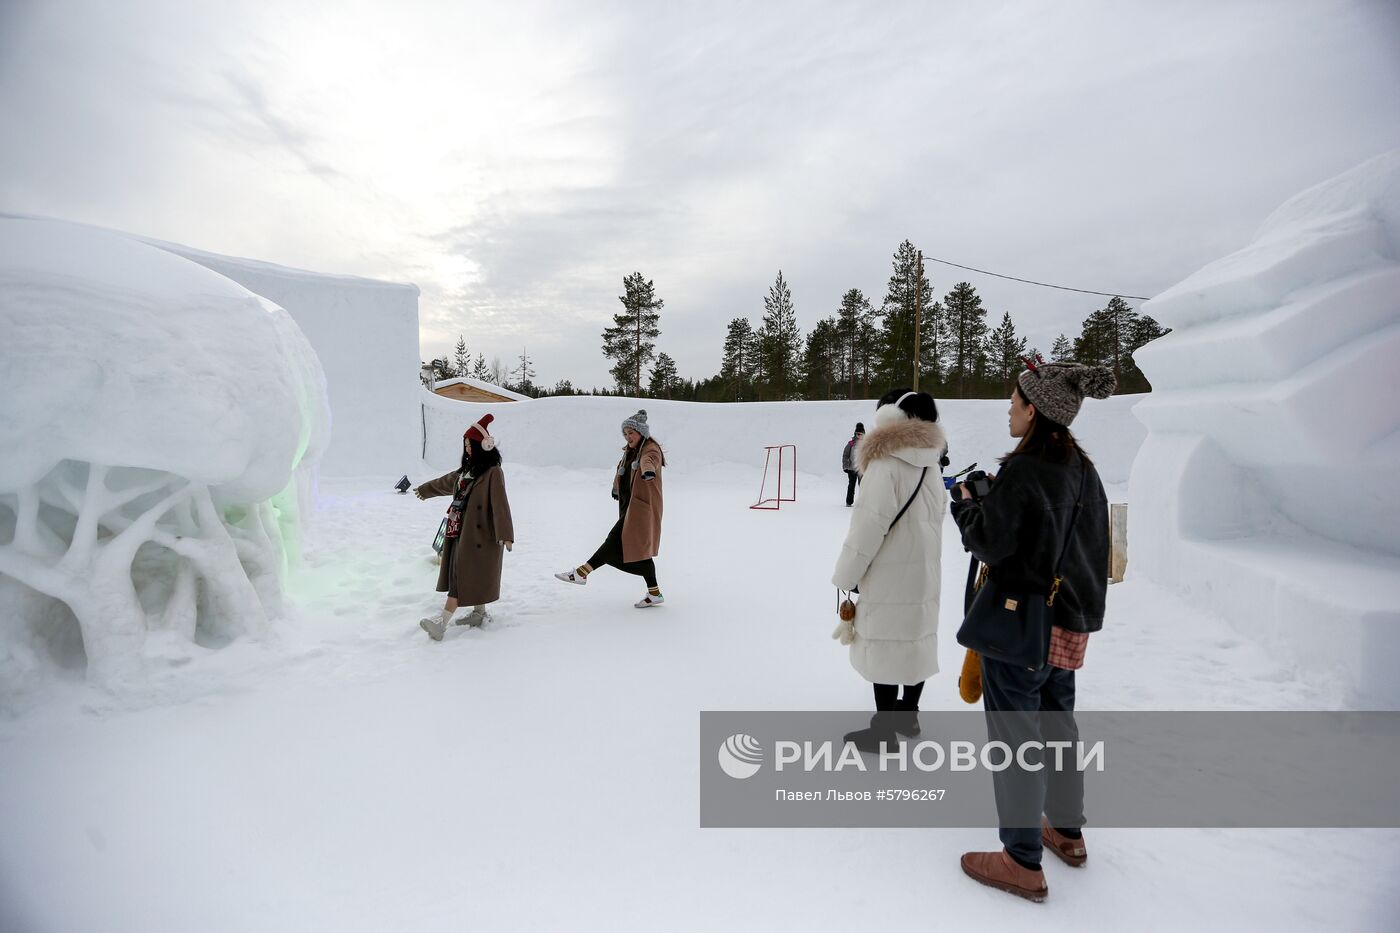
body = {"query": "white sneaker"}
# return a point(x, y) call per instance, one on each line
point(434, 627)
point(476, 618)
point(648, 601)
point(571, 576)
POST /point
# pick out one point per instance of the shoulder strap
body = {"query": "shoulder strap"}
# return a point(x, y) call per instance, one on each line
point(910, 502)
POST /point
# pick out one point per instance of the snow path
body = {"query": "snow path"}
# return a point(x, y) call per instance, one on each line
point(541, 773)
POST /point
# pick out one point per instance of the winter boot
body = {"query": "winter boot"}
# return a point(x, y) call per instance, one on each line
point(1000, 870)
point(648, 601)
point(435, 626)
point(1070, 851)
point(572, 576)
point(476, 618)
point(880, 735)
point(906, 719)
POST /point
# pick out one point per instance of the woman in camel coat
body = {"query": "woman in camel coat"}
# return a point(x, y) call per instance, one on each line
point(636, 538)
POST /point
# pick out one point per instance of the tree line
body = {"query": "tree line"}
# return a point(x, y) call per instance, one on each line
point(858, 351)
point(861, 350)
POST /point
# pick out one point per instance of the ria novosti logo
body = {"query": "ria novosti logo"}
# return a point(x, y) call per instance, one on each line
point(740, 756)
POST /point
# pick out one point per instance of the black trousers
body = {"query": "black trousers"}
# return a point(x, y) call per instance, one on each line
point(887, 697)
point(852, 481)
point(610, 553)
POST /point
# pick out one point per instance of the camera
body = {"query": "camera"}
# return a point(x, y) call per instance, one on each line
point(977, 483)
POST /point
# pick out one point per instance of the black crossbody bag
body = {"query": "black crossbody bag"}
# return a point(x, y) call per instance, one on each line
point(1014, 626)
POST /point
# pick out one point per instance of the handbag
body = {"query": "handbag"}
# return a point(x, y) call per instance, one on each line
point(1014, 626)
point(846, 608)
point(441, 538)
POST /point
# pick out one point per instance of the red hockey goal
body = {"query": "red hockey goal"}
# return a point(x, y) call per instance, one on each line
point(786, 464)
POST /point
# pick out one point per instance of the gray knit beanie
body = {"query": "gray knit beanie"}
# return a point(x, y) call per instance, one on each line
point(638, 423)
point(1058, 389)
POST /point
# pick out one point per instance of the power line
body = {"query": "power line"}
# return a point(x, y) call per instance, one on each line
point(1064, 288)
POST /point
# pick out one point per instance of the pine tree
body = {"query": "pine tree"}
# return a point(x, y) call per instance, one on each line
point(1142, 330)
point(822, 360)
point(461, 358)
point(909, 294)
point(868, 355)
point(442, 371)
point(524, 373)
point(630, 341)
point(853, 316)
point(1106, 337)
point(779, 339)
point(663, 376)
point(480, 370)
point(1004, 353)
point(740, 356)
point(1061, 351)
point(965, 342)
point(563, 387)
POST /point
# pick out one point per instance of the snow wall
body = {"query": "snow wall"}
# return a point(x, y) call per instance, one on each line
point(366, 335)
point(1266, 489)
point(160, 427)
point(586, 432)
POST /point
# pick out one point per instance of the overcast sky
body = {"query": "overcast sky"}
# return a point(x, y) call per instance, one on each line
point(516, 160)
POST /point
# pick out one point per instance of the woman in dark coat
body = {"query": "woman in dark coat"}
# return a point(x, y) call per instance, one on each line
point(479, 530)
point(1020, 529)
point(636, 538)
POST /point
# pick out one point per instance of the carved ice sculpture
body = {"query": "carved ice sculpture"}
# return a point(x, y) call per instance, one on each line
point(159, 427)
point(1269, 484)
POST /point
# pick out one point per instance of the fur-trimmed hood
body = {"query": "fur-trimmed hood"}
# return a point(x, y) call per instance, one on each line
point(915, 441)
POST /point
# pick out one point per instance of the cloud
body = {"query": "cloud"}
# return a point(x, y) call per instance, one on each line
point(517, 161)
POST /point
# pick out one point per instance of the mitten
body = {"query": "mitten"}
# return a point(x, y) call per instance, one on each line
point(846, 628)
point(970, 680)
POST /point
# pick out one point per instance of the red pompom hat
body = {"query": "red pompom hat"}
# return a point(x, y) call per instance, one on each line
point(478, 433)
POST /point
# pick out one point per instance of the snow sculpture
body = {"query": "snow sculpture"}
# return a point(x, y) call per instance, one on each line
point(1266, 487)
point(149, 494)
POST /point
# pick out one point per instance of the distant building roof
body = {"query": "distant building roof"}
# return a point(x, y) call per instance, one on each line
point(483, 386)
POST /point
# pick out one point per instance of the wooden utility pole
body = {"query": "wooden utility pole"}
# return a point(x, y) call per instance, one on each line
point(918, 314)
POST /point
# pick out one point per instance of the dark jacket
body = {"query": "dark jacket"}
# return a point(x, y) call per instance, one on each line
point(848, 456)
point(1019, 527)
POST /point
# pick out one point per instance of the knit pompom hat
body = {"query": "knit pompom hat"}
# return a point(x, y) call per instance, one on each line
point(638, 423)
point(1058, 389)
point(479, 433)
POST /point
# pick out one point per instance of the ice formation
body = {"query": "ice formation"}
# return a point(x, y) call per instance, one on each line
point(160, 425)
point(1266, 488)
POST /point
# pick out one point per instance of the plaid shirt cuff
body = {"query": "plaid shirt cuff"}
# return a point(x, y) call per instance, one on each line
point(1067, 648)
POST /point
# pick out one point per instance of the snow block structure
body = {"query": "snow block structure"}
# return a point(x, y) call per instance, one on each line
point(366, 335)
point(1266, 489)
point(160, 427)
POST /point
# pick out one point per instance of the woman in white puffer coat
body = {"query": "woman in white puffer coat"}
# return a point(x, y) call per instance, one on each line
point(896, 563)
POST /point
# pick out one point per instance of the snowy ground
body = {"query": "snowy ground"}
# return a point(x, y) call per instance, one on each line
point(541, 773)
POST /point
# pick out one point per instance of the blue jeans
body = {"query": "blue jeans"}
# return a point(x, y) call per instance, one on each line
point(1017, 697)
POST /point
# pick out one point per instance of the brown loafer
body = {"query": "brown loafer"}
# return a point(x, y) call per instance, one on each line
point(1070, 851)
point(999, 870)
